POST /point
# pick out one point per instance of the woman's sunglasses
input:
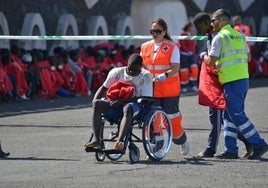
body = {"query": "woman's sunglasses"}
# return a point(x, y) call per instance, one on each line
point(156, 31)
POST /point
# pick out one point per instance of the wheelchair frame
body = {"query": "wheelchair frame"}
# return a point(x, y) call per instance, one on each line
point(156, 143)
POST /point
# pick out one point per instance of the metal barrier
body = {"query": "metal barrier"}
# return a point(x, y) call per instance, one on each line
point(114, 37)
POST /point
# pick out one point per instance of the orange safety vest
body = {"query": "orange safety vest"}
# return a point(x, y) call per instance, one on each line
point(171, 86)
point(244, 29)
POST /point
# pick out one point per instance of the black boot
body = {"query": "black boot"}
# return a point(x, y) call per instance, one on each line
point(248, 146)
point(2, 153)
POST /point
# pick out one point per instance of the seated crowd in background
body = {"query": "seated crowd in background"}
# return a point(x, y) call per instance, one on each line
point(67, 73)
point(25, 75)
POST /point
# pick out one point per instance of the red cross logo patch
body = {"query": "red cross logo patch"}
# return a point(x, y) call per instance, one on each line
point(165, 48)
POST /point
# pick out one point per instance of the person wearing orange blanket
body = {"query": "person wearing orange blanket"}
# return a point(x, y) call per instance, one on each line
point(161, 56)
point(5, 87)
point(82, 73)
point(14, 67)
point(41, 68)
point(50, 79)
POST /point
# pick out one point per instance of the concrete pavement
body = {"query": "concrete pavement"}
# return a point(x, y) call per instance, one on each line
point(45, 139)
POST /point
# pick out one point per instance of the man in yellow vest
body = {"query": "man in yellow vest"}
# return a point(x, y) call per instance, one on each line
point(229, 55)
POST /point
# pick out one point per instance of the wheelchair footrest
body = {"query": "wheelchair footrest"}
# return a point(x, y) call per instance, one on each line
point(106, 151)
point(92, 150)
point(112, 151)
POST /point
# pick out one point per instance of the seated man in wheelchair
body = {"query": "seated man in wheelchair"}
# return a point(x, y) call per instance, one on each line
point(129, 82)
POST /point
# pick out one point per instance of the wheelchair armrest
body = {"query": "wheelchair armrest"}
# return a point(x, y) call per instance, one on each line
point(112, 121)
point(146, 100)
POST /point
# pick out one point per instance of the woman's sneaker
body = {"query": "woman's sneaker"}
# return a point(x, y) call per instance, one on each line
point(185, 148)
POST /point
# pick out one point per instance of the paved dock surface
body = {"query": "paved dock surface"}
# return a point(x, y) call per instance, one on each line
point(45, 139)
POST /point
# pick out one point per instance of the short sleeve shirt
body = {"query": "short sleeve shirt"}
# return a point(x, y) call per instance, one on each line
point(216, 46)
point(142, 82)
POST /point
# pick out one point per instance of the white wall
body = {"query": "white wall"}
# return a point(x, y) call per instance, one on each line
point(144, 12)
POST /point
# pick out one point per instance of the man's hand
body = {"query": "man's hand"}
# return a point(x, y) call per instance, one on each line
point(161, 77)
point(216, 69)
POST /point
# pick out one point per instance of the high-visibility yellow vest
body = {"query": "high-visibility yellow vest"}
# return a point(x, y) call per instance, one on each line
point(233, 61)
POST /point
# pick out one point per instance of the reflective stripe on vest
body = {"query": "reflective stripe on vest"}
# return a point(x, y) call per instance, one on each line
point(230, 52)
point(157, 67)
point(235, 61)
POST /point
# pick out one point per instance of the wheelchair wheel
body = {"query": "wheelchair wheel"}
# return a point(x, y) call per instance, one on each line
point(134, 153)
point(156, 134)
point(100, 156)
point(112, 137)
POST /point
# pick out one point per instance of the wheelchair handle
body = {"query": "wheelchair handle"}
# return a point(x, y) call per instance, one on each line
point(145, 100)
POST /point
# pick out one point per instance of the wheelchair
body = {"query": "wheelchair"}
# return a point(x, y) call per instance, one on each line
point(156, 136)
